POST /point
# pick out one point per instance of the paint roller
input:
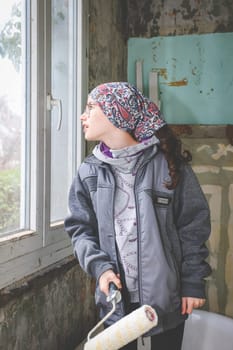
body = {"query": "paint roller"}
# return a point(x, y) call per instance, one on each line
point(123, 331)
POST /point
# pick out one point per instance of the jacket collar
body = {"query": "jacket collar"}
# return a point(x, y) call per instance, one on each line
point(149, 153)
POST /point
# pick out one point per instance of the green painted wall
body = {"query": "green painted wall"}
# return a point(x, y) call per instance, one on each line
point(195, 75)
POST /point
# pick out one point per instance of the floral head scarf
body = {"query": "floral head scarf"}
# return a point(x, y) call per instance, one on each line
point(128, 109)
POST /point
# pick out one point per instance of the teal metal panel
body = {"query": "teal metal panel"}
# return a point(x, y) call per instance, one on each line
point(195, 75)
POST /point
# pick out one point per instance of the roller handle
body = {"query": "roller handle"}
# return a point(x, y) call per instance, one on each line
point(114, 293)
point(112, 288)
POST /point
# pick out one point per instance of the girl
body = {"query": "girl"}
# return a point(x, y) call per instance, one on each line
point(138, 217)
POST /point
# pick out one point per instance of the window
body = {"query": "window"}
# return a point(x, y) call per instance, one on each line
point(12, 112)
point(42, 57)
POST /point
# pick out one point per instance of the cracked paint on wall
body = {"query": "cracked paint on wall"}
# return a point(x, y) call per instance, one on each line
point(213, 165)
point(162, 17)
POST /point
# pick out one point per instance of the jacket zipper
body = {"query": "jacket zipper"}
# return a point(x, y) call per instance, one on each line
point(138, 241)
point(121, 303)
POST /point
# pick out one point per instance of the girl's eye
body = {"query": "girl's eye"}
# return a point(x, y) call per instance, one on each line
point(91, 106)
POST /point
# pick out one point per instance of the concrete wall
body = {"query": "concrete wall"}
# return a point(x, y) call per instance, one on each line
point(107, 41)
point(107, 44)
point(213, 165)
point(52, 310)
point(150, 18)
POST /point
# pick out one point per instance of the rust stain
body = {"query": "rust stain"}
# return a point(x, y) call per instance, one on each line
point(162, 72)
point(182, 82)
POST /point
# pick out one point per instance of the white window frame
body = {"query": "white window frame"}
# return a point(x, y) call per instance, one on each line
point(26, 252)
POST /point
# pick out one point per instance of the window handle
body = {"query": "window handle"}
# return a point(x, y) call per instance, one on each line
point(55, 102)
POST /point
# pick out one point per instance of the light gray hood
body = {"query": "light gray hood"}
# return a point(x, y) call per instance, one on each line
point(126, 159)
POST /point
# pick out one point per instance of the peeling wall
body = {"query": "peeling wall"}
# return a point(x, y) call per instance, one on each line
point(107, 41)
point(150, 18)
point(53, 310)
point(212, 150)
point(213, 165)
point(195, 76)
point(107, 52)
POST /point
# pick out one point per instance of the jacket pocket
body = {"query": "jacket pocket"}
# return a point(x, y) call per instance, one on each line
point(162, 202)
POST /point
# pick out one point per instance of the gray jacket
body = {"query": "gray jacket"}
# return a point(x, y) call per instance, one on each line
point(173, 226)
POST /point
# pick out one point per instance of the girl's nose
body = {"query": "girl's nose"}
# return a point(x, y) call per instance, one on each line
point(83, 116)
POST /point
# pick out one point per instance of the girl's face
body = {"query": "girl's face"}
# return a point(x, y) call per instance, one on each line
point(96, 125)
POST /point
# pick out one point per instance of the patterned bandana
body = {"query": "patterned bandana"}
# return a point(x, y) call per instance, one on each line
point(128, 109)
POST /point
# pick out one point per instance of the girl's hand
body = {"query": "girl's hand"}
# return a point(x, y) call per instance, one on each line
point(107, 277)
point(188, 304)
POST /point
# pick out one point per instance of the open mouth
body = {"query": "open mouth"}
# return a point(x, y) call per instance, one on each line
point(85, 127)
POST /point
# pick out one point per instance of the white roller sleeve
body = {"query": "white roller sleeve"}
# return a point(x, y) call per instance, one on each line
point(124, 331)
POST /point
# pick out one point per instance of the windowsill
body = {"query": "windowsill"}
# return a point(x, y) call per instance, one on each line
point(25, 234)
point(57, 224)
point(16, 236)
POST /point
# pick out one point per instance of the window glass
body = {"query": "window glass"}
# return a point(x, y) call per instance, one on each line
point(12, 115)
point(63, 89)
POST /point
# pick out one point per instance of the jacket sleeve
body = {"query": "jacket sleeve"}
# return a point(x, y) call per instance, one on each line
point(82, 227)
point(193, 225)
